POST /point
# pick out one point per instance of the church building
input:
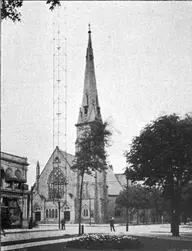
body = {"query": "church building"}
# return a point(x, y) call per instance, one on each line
point(57, 178)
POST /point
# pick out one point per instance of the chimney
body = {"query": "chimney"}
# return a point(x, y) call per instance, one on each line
point(37, 175)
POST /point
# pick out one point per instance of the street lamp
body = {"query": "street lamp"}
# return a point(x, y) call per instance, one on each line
point(89, 210)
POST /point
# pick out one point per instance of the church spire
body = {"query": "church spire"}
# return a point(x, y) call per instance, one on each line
point(90, 109)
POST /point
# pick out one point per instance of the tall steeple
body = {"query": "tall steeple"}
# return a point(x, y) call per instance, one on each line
point(89, 110)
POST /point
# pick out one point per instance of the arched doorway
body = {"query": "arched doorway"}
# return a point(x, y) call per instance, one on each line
point(67, 214)
point(37, 213)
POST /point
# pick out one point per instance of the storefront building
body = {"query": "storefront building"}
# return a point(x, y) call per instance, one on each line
point(14, 191)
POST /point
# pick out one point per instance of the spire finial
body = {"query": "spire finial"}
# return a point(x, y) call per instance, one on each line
point(89, 25)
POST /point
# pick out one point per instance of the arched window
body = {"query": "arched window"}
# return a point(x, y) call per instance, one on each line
point(52, 215)
point(55, 213)
point(56, 184)
point(85, 212)
point(47, 213)
point(117, 213)
point(37, 208)
point(66, 208)
point(87, 99)
point(17, 173)
point(8, 170)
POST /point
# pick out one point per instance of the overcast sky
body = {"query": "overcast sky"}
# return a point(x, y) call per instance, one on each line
point(143, 64)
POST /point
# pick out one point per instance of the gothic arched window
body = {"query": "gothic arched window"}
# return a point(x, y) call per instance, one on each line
point(87, 99)
point(53, 213)
point(56, 184)
point(49, 213)
point(85, 212)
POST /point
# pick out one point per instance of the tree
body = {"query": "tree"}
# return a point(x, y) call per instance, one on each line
point(186, 202)
point(138, 197)
point(9, 8)
point(91, 154)
point(134, 198)
point(162, 155)
point(158, 203)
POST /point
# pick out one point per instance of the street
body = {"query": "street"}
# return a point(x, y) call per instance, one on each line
point(45, 236)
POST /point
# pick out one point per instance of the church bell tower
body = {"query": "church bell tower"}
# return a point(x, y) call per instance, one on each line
point(88, 113)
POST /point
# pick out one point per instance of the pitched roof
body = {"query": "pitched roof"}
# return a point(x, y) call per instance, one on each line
point(114, 186)
point(68, 157)
point(121, 178)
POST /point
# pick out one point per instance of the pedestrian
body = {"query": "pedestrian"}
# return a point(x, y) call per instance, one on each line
point(111, 221)
point(63, 224)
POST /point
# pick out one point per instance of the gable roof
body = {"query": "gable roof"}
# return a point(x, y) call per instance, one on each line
point(114, 186)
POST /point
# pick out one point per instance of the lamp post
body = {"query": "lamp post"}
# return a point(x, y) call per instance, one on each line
point(32, 206)
point(89, 210)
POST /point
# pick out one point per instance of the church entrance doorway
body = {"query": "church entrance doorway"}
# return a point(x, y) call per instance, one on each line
point(37, 216)
point(67, 215)
point(37, 213)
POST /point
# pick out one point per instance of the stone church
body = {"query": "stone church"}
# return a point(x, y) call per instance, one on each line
point(99, 190)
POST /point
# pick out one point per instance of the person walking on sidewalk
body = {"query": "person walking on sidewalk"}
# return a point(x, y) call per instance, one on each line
point(63, 224)
point(111, 221)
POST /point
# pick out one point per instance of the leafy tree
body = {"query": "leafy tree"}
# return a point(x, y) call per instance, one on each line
point(158, 203)
point(91, 154)
point(138, 197)
point(9, 8)
point(162, 155)
point(186, 202)
point(133, 198)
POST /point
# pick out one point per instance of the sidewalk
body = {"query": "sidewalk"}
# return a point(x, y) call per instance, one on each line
point(49, 234)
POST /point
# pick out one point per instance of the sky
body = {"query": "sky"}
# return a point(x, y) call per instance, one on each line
point(143, 64)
